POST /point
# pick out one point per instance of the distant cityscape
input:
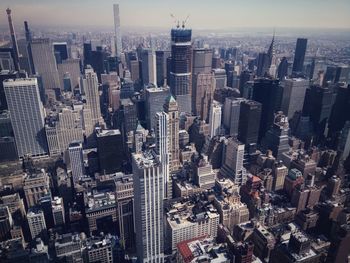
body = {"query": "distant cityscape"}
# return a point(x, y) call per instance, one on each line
point(156, 146)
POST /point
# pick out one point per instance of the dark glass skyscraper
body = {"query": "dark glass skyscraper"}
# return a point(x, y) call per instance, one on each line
point(181, 67)
point(269, 93)
point(299, 55)
point(249, 122)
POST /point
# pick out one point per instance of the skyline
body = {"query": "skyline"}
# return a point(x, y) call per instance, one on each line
point(238, 14)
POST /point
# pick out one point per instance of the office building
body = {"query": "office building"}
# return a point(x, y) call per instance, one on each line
point(220, 78)
point(249, 122)
point(90, 87)
point(294, 91)
point(125, 205)
point(276, 138)
point(180, 81)
point(162, 149)
point(233, 162)
point(269, 94)
point(155, 100)
point(202, 94)
point(27, 116)
point(36, 186)
point(204, 175)
point(75, 151)
point(45, 65)
point(148, 194)
point(161, 67)
point(36, 222)
point(101, 212)
point(215, 119)
point(299, 55)
point(110, 152)
point(148, 67)
point(232, 109)
point(282, 71)
point(117, 33)
point(58, 211)
point(60, 51)
point(71, 66)
point(171, 108)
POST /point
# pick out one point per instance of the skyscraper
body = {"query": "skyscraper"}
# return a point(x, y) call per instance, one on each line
point(233, 163)
point(90, 87)
point(299, 55)
point(148, 194)
point(162, 149)
point(276, 138)
point(293, 95)
point(161, 67)
point(269, 94)
point(155, 100)
point(75, 151)
point(118, 36)
point(171, 108)
point(249, 122)
point(215, 119)
point(149, 75)
point(27, 116)
point(181, 67)
point(45, 65)
point(13, 38)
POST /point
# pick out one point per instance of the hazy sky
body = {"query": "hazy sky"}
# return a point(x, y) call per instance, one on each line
point(204, 14)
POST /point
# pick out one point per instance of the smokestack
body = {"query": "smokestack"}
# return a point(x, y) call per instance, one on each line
point(13, 38)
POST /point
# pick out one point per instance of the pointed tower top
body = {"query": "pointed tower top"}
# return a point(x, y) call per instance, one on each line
point(170, 104)
point(139, 127)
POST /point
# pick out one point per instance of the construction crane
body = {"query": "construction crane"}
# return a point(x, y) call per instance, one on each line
point(184, 22)
point(176, 21)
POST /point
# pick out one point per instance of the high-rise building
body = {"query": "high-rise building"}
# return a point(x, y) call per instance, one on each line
point(294, 91)
point(344, 141)
point(269, 94)
point(110, 152)
point(45, 65)
point(128, 115)
point(276, 138)
point(171, 108)
point(58, 211)
point(117, 33)
point(90, 87)
point(72, 66)
point(181, 67)
point(232, 109)
point(249, 122)
point(148, 191)
point(162, 149)
point(161, 67)
point(125, 205)
point(282, 71)
point(75, 151)
point(148, 69)
point(233, 162)
point(215, 119)
point(202, 94)
point(13, 38)
point(220, 78)
point(299, 55)
point(36, 222)
point(60, 51)
point(27, 116)
point(155, 100)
